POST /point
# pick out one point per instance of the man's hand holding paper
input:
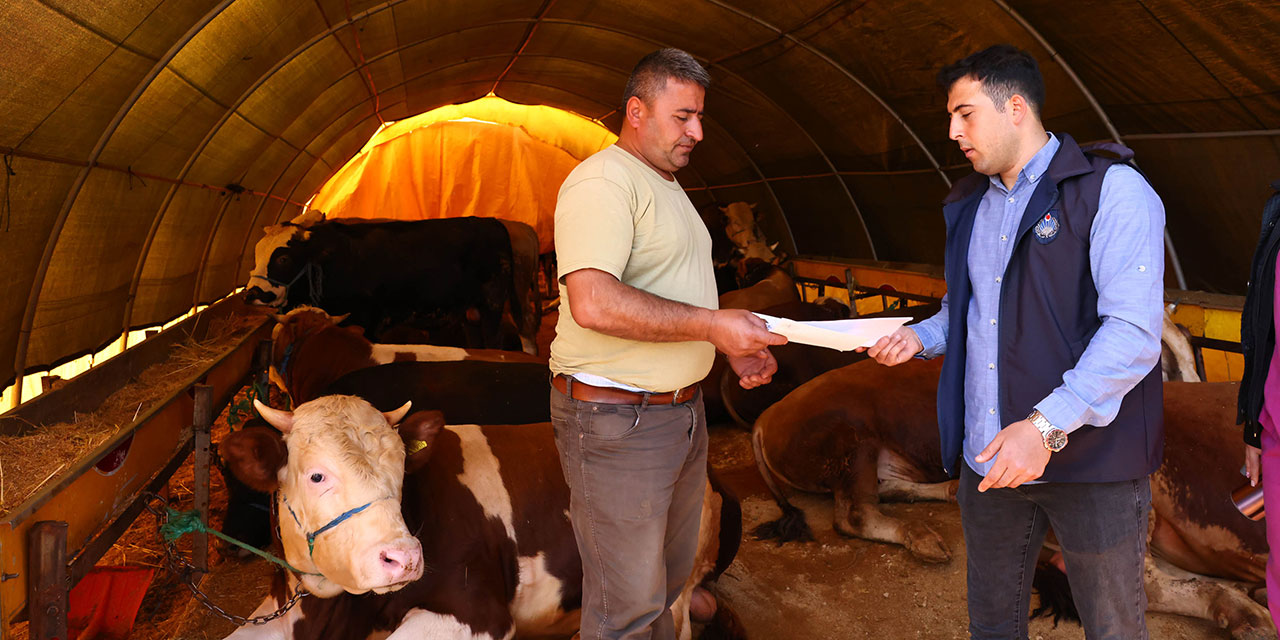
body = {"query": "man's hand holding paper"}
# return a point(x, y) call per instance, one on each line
point(896, 348)
point(841, 335)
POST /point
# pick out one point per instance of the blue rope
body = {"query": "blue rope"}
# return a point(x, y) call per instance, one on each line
point(311, 536)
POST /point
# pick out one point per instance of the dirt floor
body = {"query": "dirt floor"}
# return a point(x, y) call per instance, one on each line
point(838, 587)
point(834, 588)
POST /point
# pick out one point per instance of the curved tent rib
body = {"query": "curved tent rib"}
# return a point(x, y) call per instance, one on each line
point(29, 316)
point(230, 111)
point(826, 159)
point(1097, 108)
point(167, 89)
point(751, 162)
point(848, 74)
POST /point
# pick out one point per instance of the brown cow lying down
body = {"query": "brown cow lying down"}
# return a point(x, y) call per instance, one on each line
point(772, 287)
point(721, 381)
point(492, 553)
point(869, 433)
point(309, 351)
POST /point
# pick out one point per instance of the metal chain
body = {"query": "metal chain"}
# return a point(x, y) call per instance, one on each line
point(185, 570)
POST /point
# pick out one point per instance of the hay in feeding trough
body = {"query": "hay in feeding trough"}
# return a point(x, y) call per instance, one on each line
point(32, 460)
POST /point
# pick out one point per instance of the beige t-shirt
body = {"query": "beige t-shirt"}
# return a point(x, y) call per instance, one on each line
point(616, 214)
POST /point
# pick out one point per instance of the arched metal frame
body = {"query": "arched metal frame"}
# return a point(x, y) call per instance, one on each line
point(846, 73)
point(333, 29)
point(37, 284)
point(232, 109)
point(164, 61)
point(1097, 109)
point(754, 167)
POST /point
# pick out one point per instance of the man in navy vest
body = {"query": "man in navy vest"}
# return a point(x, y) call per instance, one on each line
point(1051, 389)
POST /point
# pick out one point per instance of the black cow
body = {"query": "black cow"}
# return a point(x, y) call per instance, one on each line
point(427, 272)
point(466, 392)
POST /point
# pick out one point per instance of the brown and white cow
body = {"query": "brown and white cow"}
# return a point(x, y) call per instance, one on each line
point(488, 506)
point(309, 352)
point(868, 433)
point(741, 228)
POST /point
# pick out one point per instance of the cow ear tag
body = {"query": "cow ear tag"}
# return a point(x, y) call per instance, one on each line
point(1047, 228)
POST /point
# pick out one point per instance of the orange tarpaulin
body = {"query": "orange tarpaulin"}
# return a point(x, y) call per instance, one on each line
point(487, 158)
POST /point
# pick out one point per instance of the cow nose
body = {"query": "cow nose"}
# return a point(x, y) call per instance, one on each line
point(255, 294)
point(400, 564)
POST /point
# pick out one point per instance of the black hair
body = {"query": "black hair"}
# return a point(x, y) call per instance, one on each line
point(651, 74)
point(1003, 70)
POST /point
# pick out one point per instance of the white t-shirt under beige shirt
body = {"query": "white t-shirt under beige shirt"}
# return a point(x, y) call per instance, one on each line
point(616, 214)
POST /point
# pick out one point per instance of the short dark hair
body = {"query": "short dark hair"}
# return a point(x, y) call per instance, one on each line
point(651, 74)
point(1003, 70)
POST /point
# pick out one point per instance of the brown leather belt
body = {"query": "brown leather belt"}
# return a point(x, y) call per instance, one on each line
point(610, 395)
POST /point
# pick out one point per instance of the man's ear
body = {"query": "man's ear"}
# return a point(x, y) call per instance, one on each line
point(419, 431)
point(255, 455)
point(1019, 107)
point(635, 109)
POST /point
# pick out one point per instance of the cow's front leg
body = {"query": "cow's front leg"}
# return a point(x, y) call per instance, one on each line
point(420, 623)
point(857, 514)
point(1171, 590)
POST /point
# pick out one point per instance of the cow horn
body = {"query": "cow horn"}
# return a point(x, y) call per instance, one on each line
point(339, 319)
point(394, 417)
point(282, 420)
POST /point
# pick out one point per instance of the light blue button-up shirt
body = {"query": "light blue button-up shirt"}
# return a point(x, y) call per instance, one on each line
point(1126, 255)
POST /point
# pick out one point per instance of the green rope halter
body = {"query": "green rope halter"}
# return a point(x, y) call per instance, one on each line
point(180, 523)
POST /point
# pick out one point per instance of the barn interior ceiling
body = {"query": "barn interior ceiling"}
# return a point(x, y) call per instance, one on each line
point(147, 142)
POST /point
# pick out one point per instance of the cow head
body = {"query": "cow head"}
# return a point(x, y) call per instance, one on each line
point(291, 330)
point(280, 257)
point(740, 226)
point(338, 471)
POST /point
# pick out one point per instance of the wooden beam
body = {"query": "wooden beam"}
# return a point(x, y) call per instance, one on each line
point(47, 588)
point(202, 421)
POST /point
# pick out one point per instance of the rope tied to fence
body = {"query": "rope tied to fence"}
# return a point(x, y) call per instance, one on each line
point(180, 523)
point(174, 524)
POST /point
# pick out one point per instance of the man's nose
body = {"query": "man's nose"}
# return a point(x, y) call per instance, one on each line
point(694, 130)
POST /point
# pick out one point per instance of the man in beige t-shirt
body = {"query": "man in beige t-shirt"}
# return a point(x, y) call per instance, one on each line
point(638, 328)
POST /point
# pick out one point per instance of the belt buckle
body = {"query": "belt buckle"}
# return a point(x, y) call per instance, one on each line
point(676, 396)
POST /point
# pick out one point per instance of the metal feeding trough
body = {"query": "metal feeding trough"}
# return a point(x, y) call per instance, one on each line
point(52, 540)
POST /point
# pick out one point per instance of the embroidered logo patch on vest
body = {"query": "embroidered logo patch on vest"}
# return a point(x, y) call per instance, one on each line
point(1047, 228)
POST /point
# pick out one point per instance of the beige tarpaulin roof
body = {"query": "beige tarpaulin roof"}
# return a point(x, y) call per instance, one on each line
point(130, 127)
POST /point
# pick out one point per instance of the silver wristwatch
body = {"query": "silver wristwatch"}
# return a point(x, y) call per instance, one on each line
point(1054, 438)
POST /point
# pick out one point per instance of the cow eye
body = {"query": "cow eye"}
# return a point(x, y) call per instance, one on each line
point(282, 260)
point(317, 478)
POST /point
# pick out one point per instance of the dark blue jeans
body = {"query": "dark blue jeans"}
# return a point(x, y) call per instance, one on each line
point(1102, 529)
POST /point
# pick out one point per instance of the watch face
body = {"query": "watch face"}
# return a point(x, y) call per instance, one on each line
point(1055, 440)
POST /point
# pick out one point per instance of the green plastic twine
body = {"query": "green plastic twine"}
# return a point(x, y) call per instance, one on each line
point(180, 523)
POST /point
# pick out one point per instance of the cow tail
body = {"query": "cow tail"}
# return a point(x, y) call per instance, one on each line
point(1055, 594)
point(792, 526)
point(730, 525)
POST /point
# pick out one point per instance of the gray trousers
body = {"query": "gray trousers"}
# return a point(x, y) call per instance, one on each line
point(636, 478)
point(1102, 529)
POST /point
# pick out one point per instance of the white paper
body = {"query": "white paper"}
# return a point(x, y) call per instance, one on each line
point(841, 335)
